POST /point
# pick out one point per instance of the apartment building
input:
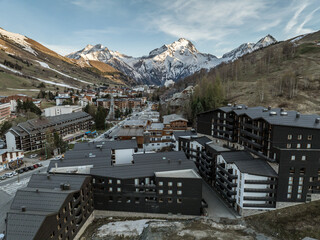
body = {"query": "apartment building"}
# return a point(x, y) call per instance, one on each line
point(4, 112)
point(287, 140)
point(32, 134)
point(59, 110)
point(145, 182)
point(10, 158)
point(50, 207)
point(175, 122)
point(12, 100)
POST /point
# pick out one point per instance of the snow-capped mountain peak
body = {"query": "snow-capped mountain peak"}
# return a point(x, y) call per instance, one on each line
point(248, 48)
point(169, 62)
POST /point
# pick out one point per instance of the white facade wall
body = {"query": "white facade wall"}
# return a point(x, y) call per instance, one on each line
point(155, 146)
point(123, 156)
point(11, 141)
point(59, 110)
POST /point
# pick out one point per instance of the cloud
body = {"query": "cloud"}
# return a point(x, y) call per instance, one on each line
point(300, 29)
point(93, 5)
point(294, 20)
point(206, 20)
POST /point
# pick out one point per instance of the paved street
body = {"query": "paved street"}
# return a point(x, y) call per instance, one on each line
point(216, 207)
point(9, 187)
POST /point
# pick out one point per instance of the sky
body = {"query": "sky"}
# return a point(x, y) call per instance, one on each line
point(135, 27)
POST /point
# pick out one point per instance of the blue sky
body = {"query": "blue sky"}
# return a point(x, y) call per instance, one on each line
point(135, 27)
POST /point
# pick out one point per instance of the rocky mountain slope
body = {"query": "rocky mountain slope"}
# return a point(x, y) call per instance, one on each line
point(169, 62)
point(285, 74)
point(25, 63)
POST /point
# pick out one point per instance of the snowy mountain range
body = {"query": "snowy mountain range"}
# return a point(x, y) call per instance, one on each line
point(169, 62)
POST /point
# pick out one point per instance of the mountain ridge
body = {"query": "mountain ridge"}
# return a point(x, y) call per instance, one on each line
point(169, 62)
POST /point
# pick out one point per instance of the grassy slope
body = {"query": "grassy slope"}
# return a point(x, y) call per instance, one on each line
point(247, 79)
point(292, 223)
point(56, 61)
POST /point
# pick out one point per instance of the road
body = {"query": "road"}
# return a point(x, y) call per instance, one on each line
point(9, 187)
point(217, 208)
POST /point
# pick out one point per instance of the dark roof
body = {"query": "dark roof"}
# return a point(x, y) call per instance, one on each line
point(23, 226)
point(248, 164)
point(145, 165)
point(203, 140)
point(217, 148)
point(186, 133)
point(42, 198)
point(53, 181)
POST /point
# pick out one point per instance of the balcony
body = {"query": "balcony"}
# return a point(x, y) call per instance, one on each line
point(249, 134)
point(251, 143)
point(272, 182)
point(248, 125)
point(261, 190)
point(231, 184)
point(249, 198)
point(230, 191)
point(230, 175)
point(226, 196)
point(255, 205)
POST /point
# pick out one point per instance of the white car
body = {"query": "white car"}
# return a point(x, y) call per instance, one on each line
point(14, 173)
point(9, 175)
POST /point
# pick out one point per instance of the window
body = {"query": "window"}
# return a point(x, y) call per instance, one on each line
point(289, 137)
point(169, 200)
point(136, 181)
point(290, 189)
point(302, 171)
point(303, 158)
point(170, 192)
point(179, 192)
point(299, 145)
point(118, 181)
point(289, 195)
point(110, 181)
point(118, 189)
point(160, 200)
point(293, 157)
point(299, 196)
point(290, 180)
point(110, 189)
point(309, 137)
point(288, 145)
point(308, 145)
point(179, 200)
point(137, 201)
point(160, 191)
point(300, 189)
point(300, 180)
point(160, 183)
point(179, 184)
point(170, 184)
point(292, 170)
point(128, 200)
point(299, 137)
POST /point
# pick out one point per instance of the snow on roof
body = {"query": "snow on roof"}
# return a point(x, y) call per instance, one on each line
point(188, 173)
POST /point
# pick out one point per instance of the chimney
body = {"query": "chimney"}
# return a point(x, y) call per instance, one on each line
point(318, 120)
point(297, 115)
point(61, 186)
point(48, 176)
point(23, 209)
point(180, 161)
point(269, 108)
point(37, 190)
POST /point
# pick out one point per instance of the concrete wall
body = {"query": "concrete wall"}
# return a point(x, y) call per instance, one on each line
point(124, 156)
point(11, 141)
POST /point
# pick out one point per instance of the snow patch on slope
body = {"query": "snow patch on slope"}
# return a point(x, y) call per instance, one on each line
point(10, 69)
point(45, 65)
point(20, 39)
point(124, 228)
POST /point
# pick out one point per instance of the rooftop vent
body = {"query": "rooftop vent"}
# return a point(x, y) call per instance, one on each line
point(66, 186)
point(281, 109)
point(297, 115)
point(269, 107)
point(318, 120)
point(229, 105)
point(180, 161)
point(273, 113)
point(234, 104)
point(239, 107)
point(164, 158)
point(168, 160)
point(23, 209)
point(37, 190)
point(48, 176)
point(265, 110)
point(246, 107)
point(284, 113)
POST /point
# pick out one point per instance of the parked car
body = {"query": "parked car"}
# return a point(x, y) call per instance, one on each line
point(33, 155)
point(9, 175)
point(20, 170)
point(25, 169)
point(39, 164)
point(3, 177)
point(30, 167)
point(35, 166)
point(14, 173)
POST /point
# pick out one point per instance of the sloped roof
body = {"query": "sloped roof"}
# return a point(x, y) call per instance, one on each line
point(248, 164)
point(167, 119)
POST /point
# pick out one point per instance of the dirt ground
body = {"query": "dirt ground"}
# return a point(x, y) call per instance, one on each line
point(157, 229)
